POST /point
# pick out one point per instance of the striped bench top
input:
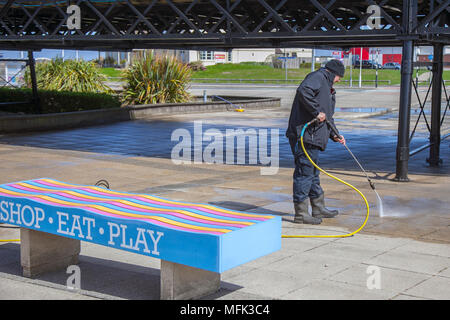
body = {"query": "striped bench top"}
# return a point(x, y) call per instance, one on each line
point(141, 223)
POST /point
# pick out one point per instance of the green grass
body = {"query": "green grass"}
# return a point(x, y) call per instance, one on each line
point(384, 76)
point(248, 71)
point(112, 72)
point(257, 71)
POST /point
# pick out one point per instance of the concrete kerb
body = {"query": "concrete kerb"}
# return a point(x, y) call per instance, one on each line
point(360, 115)
point(54, 121)
point(143, 111)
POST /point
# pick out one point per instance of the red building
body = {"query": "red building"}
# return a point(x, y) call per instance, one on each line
point(384, 55)
point(392, 57)
point(356, 52)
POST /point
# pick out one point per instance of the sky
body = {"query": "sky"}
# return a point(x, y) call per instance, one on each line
point(82, 54)
point(50, 53)
point(90, 55)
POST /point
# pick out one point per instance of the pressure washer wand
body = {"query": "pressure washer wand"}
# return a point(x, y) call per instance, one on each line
point(336, 133)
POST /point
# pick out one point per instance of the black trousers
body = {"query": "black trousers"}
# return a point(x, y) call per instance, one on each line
point(306, 181)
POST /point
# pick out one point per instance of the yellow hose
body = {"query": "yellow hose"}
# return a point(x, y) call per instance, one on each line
point(342, 181)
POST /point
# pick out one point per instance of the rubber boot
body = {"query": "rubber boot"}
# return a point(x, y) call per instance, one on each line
point(302, 215)
point(319, 210)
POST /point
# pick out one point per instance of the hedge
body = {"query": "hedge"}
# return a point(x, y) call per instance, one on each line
point(56, 101)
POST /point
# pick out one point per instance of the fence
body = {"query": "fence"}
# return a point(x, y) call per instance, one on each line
point(295, 81)
point(278, 81)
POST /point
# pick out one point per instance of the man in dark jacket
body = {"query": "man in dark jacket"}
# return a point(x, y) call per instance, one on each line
point(315, 98)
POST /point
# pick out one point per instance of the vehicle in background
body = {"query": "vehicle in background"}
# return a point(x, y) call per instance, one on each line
point(392, 65)
point(367, 64)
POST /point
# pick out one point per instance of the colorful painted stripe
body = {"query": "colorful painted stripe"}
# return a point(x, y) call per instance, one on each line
point(192, 217)
point(154, 199)
point(119, 204)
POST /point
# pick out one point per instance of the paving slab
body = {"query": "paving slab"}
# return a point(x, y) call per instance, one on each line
point(401, 260)
point(407, 297)
point(18, 290)
point(330, 290)
point(307, 265)
point(433, 288)
point(349, 251)
point(445, 273)
point(392, 280)
point(269, 283)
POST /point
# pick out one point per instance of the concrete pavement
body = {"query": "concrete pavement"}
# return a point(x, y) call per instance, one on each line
point(403, 255)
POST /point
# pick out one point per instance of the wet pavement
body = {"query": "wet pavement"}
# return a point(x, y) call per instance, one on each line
point(373, 140)
point(411, 242)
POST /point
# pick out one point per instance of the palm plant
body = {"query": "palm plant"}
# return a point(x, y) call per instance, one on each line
point(69, 75)
point(157, 79)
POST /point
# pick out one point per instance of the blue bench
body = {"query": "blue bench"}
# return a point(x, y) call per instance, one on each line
point(195, 242)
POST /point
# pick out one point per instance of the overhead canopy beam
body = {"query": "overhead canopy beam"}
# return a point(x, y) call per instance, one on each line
point(130, 24)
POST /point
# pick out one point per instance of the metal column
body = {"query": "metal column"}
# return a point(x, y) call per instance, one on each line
point(404, 113)
point(435, 135)
point(31, 63)
point(408, 23)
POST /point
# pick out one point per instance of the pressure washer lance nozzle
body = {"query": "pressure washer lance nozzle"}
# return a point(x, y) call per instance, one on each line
point(372, 185)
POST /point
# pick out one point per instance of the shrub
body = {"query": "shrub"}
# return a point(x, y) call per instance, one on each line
point(69, 75)
point(307, 65)
point(57, 101)
point(109, 62)
point(157, 79)
point(197, 66)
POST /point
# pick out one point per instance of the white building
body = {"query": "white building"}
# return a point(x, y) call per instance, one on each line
point(243, 55)
point(263, 55)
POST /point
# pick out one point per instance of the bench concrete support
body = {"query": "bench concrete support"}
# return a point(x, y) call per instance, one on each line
point(41, 252)
point(181, 282)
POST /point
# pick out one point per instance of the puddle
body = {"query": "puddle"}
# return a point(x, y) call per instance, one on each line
point(415, 111)
point(427, 111)
point(362, 110)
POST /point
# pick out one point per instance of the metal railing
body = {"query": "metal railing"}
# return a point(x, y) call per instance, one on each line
point(426, 146)
point(234, 80)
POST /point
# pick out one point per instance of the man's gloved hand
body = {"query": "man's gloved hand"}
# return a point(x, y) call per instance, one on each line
point(321, 116)
point(340, 139)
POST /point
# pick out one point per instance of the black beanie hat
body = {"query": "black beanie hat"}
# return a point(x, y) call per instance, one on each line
point(336, 66)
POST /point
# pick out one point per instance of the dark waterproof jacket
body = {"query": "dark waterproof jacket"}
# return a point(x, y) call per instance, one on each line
point(315, 94)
